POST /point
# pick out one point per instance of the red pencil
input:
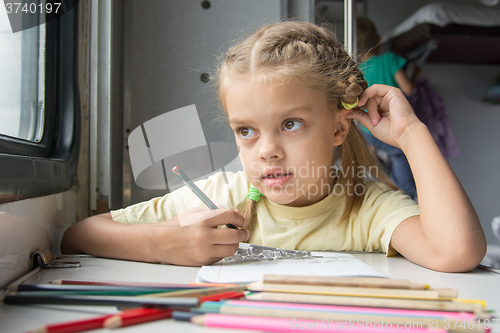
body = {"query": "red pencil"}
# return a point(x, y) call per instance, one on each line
point(81, 325)
point(225, 295)
point(147, 315)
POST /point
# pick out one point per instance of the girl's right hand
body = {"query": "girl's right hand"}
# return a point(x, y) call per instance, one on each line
point(193, 238)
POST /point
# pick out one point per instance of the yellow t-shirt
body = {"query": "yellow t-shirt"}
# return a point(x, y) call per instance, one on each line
point(312, 228)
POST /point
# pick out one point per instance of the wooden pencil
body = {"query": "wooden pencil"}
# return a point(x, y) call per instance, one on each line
point(361, 282)
point(145, 316)
point(274, 324)
point(199, 292)
point(184, 315)
point(445, 294)
point(352, 317)
point(341, 309)
point(475, 308)
point(125, 293)
point(48, 289)
point(80, 325)
point(127, 284)
point(224, 295)
point(55, 287)
point(73, 326)
point(211, 284)
point(122, 301)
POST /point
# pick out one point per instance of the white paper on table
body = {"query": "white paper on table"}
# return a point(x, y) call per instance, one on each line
point(330, 264)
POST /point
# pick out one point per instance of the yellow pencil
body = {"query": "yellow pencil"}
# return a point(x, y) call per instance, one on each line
point(444, 294)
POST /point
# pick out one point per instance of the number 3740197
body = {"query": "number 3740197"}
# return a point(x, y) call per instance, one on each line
point(453, 324)
point(32, 8)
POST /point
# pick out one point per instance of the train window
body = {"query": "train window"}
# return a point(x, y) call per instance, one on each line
point(39, 112)
point(22, 64)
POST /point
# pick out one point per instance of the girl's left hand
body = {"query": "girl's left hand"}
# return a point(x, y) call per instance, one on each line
point(389, 115)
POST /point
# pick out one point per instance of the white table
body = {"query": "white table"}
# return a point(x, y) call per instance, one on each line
point(478, 284)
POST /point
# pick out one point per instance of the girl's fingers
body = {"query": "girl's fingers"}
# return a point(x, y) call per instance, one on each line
point(372, 106)
point(225, 216)
point(228, 236)
point(219, 251)
point(211, 218)
point(362, 117)
point(367, 119)
point(377, 90)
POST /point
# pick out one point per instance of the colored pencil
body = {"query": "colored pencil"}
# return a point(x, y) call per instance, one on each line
point(224, 295)
point(270, 324)
point(475, 308)
point(124, 293)
point(79, 325)
point(184, 315)
point(121, 301)
point(147, 315)
point(73, 326)
point(211, 284)
point(55, 287)
point(354, 291)
point(199, 292)
point(343, 317)
point(196, 190)
point(360, 282)
point(48, 289)
point(128, 284)
point(343, 309)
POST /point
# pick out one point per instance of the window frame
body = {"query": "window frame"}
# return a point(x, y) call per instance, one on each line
point(29, 169)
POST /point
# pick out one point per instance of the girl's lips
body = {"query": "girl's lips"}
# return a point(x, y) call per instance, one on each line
point(278, 181)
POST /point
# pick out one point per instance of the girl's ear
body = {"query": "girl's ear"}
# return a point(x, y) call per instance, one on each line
point(343, 126)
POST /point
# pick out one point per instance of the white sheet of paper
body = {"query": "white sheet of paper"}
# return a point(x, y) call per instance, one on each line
point(330, 264)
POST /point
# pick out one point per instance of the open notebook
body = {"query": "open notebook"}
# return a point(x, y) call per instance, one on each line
point(314, 264)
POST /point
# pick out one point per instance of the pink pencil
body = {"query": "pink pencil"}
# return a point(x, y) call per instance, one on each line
point(271, 324)
point(353, 309)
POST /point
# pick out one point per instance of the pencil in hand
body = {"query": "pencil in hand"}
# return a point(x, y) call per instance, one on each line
point(196, 190)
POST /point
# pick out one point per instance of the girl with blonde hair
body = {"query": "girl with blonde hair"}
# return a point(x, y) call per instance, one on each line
point(290, 93)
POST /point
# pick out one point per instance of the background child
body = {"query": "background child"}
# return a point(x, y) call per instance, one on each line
point(289, 91)
point(386, 68)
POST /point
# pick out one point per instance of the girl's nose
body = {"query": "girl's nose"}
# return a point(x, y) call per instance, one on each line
point(270, 149)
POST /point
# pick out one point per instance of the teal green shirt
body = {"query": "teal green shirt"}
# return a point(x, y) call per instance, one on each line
point(380, 69)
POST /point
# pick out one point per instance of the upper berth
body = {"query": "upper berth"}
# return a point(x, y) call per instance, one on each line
point(444, 32)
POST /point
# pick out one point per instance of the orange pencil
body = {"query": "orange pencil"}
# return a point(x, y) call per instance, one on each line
point(144, 316)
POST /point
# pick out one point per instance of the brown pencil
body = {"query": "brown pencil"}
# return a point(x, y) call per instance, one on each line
point(361, 282)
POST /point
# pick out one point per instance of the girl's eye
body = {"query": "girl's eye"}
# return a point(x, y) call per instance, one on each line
point(292, 125)
point(246, 132)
